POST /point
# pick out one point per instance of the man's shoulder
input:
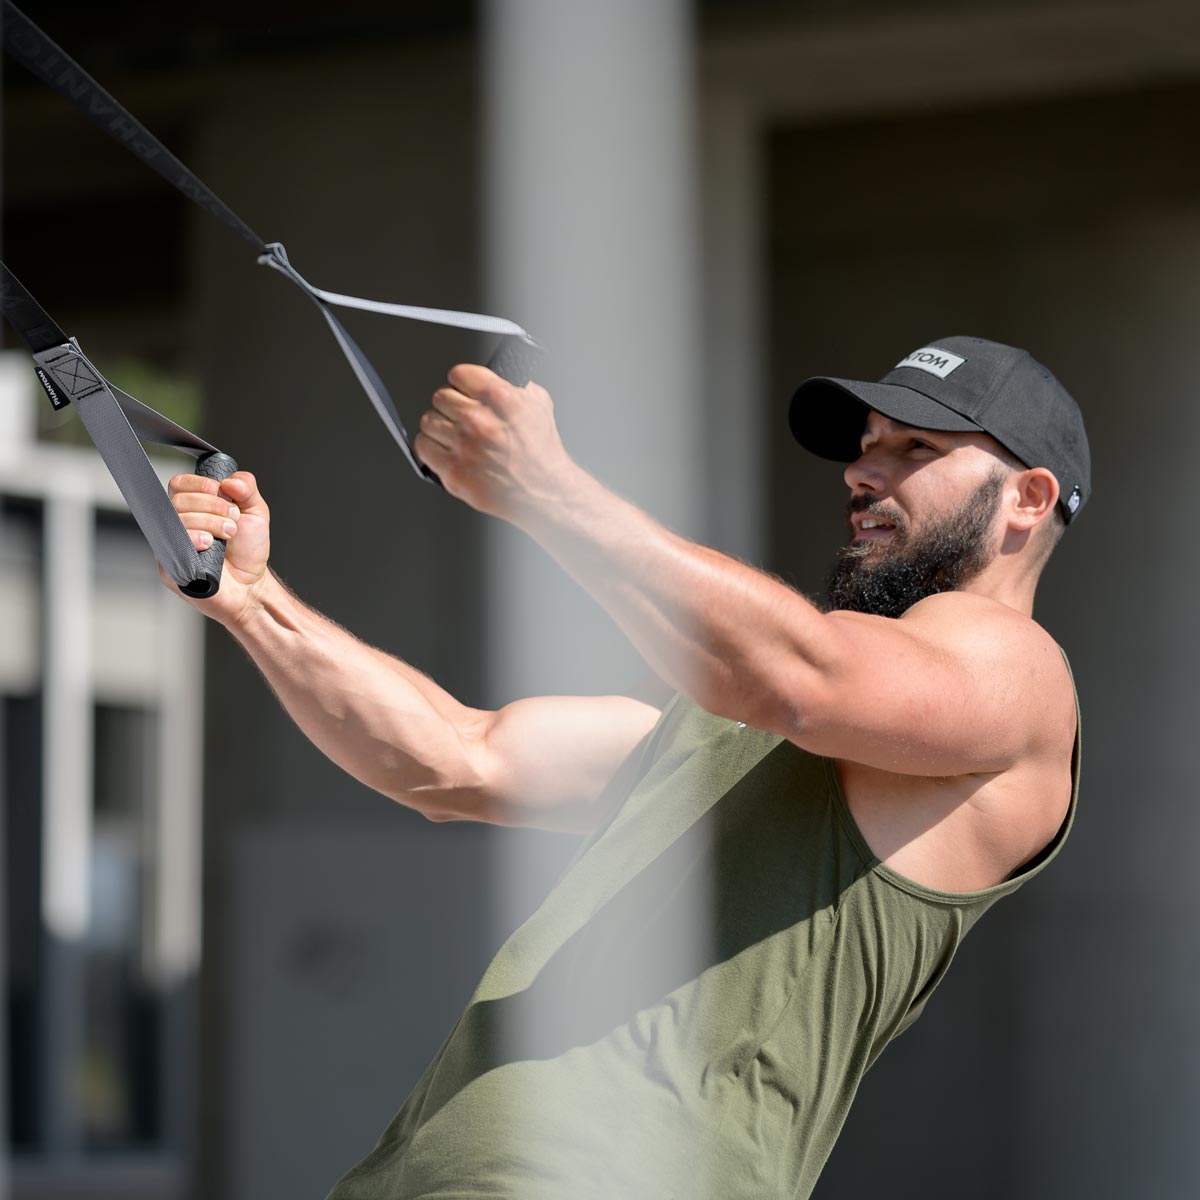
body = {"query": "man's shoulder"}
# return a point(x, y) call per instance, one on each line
point(1011, 648)
point(973, 631)
point(960, 616)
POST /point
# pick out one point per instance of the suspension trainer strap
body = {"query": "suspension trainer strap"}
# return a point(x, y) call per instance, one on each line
point(515, 358)
point(43, 57)
point(115, 421)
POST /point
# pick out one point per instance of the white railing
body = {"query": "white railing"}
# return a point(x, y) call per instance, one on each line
point(83, 636)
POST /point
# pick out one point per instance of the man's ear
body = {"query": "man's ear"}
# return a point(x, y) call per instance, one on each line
point(1037, 494)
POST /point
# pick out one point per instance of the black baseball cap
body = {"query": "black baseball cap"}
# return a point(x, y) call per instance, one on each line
point(957, 384)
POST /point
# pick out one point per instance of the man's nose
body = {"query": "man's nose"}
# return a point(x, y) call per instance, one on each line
point(865, 473)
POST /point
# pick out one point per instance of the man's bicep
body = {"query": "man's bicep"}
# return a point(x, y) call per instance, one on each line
point(933, 695)
point(548, 759)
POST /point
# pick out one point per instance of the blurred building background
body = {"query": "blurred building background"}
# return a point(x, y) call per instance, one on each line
point(226, 961)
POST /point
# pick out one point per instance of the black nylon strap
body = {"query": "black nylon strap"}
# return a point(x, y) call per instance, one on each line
point(26, 315)
point(25, 42)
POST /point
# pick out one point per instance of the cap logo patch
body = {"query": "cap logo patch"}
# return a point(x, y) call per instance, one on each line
point(1075, 500)
point(937, 362)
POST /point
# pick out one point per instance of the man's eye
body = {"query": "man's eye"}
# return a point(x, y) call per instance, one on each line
point(922, 445)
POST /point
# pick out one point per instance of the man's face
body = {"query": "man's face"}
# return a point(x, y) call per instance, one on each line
point(922, 517)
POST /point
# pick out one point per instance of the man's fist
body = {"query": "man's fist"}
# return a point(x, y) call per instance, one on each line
point(491, 444)
point(234, 511)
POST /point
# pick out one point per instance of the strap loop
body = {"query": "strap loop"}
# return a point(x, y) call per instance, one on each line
point(276, 257)
point(114, 422)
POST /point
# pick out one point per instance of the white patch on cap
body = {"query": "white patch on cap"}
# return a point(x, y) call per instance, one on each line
point(936, 362)
point(1074, 502)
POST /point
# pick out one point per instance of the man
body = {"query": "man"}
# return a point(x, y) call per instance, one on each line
point(779, 865)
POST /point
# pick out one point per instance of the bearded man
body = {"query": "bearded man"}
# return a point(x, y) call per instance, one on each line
point(779, 865)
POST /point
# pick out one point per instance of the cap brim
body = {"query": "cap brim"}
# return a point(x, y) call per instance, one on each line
point(827, 416)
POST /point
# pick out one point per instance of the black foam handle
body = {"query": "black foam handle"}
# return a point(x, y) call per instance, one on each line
point(516, 359)
point(216, 466)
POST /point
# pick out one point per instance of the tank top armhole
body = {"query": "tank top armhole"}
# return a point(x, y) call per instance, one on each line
point(625, 779)
point(1014, 881)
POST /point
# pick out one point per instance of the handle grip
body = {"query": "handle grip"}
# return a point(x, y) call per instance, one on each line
point(216, 466)
point(516, 359)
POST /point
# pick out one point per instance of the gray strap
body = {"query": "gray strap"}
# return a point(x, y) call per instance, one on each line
point(377, 393)
point(514, 336)
point(277, 259)
point(435, 316)
point(151, 426)
point(114, 435)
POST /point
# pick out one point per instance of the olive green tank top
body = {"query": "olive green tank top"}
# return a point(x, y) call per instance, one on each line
point(691, 1010)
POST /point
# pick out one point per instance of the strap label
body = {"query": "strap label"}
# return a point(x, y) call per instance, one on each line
point(933, 360)
point(55, 399)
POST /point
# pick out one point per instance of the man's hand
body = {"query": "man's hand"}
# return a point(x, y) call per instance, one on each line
point(494, 445)
point(234, 511)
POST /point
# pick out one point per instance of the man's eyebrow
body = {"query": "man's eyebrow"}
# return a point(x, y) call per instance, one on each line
point(901, 431)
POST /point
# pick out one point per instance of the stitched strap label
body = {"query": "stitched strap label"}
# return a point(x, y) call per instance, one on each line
point(66, 376)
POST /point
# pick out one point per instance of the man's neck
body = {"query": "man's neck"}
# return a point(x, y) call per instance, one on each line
point(1001, 586)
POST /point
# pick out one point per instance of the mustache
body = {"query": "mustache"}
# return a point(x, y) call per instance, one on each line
point(865, 504)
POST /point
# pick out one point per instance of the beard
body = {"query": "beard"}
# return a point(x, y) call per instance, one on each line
point(886, 578)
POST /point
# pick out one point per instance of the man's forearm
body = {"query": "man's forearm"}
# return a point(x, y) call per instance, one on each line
point(715, 629)
point(735, 640)
point(378, 718)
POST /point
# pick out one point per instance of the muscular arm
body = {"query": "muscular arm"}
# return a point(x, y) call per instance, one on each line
point(942, 691)
point(956, 668)
point(540, 762)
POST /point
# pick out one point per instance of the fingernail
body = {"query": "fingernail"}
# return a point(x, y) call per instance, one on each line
point(234, 511)
point(230, 528)
point(206, 539)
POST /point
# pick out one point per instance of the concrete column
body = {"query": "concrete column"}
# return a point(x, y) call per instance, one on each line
point(592, 243)
point(591, 224)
